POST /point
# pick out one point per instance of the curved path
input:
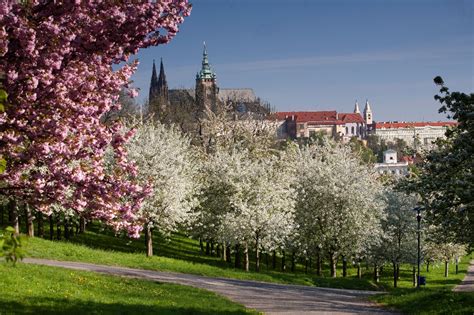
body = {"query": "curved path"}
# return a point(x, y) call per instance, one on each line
point(467, 285)
point(266, 297)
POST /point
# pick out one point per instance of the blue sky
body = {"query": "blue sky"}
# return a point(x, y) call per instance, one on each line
point(324, 55)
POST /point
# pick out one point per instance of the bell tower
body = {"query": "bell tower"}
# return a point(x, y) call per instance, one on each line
point(368, 113)
point(206, 86)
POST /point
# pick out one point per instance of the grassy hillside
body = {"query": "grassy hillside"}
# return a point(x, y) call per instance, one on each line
point(179, 254)
point(182, 254)
point(48, 290)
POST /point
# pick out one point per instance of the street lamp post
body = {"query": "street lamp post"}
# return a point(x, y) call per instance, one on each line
point(418, 218)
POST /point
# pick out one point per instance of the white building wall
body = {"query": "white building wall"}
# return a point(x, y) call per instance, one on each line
point(425, 135)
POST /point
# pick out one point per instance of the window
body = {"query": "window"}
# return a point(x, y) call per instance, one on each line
point(301, 126)
point(347, 130)
point(352, 130)
point(312, 133)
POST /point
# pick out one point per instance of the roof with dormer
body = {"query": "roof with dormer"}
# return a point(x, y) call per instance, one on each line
point(351, 118)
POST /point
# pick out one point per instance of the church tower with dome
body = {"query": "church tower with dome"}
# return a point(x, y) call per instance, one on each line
point(206, 91)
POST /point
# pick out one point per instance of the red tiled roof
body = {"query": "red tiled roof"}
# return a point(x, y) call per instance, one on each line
point(396, 125)
point(320, 117)
point(316, 117)
point(351, 118)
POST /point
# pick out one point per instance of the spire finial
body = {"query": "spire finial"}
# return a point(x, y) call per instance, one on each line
point(206, 71)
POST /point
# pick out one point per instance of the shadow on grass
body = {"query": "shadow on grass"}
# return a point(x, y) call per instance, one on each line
point(36, 305)
point(185, 249)
point(428, 301)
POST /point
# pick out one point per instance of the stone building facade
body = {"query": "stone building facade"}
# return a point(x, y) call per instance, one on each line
point(415, 134)
point(343, 126)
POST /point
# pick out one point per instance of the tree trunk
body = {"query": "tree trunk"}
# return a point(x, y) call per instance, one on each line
point(40, 220)
point(457, 265)
point(51, 227)
point(376, 274)
point(427, 266)
point(82, 224)
point(149, 240)
point(395, 275)
point(208, 248)
point(292, 261)
point(229, 257)
point(283, 262)
point(212, 248)
point(201, 245)
point(246, 257)
point(237, 256)
point(224, 252)
point(66, 228)
point(274, 260)
point(344, 266)
point(30, 229)
point(257, 255)
point(319, 267)
point(306, 265)
point(398, 271)
point(359, 274)
point(13, 216)
point(218, 250)
point(414, 276)
point(446, 268)
point(333, 262)
point(58, 227)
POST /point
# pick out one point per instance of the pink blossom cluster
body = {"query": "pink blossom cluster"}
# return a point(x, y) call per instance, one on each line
point(57, 57)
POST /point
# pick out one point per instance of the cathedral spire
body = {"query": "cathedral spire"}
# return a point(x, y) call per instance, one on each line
point(158, 100)
point(356, 108)
point(162, 77)
point(206, 71)
point(153, 84)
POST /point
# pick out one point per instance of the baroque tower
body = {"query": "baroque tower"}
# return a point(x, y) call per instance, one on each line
point(368, 113)
point(206, 86)
point(158, 97)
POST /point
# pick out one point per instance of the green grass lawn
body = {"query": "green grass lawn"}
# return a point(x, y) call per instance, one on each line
point(28, 289)
point(435, 298)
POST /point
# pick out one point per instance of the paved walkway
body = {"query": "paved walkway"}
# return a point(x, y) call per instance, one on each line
point(467, 285)
point(266, 297)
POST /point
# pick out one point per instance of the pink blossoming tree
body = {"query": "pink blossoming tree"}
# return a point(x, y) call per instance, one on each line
point(56, 58)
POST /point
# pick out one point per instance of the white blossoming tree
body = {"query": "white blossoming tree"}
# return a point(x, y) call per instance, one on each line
point(339, 205)
point(399, 237)
point(263, 203)
point(166, 160)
